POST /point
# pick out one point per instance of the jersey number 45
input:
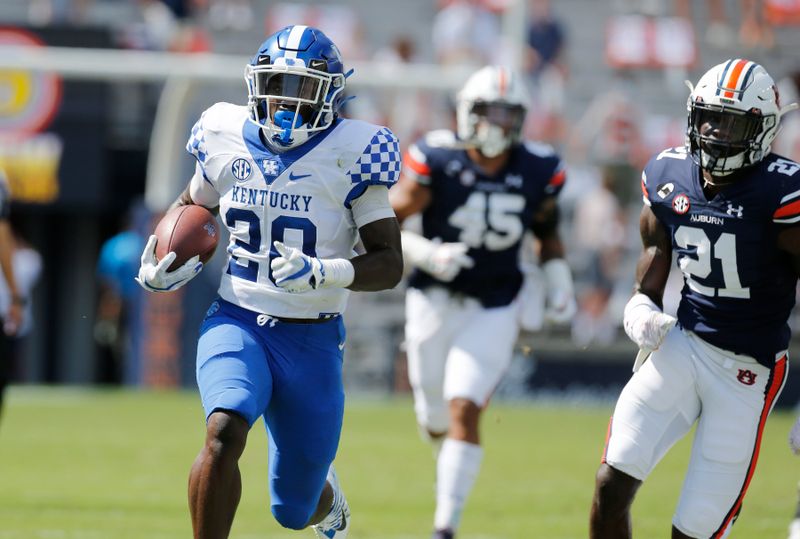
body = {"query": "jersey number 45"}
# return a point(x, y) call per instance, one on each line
point(490, 220)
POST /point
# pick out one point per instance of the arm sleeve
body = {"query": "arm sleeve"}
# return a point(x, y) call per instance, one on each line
point(372, 205)
point(379, 164)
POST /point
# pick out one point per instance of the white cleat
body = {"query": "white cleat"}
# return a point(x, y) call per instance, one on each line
point(794, 529)
point(337, 523)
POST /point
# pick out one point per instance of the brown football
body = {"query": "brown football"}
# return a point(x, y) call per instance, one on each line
point(188, 230)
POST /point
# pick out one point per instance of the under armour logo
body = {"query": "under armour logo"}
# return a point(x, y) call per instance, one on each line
point(746, 376)
point(270, 167)
point(734, 211)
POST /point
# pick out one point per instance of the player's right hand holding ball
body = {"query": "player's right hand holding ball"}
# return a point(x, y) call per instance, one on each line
point(153, 274)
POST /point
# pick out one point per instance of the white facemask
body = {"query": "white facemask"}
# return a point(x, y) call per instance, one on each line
point(491, 139)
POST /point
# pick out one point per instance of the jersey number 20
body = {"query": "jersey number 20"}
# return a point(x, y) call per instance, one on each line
point(279, 226)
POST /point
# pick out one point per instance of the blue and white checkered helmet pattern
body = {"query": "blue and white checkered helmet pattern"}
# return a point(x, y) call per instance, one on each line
point(294, 85)
point(380, 162)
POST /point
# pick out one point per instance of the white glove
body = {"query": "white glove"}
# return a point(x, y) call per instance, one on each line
point(441, 260)
point(644, 322)
point(794, 437)
point(560, 305)
point(532, 299)
point(297, 272)
point(153, 274)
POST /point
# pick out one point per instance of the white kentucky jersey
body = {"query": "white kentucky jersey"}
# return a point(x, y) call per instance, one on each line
point(301, 197)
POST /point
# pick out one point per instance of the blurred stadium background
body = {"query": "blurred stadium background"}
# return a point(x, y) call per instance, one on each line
point(97, 98)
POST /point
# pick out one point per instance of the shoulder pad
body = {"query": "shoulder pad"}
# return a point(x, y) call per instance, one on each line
point(539, 149)
point(220, 115)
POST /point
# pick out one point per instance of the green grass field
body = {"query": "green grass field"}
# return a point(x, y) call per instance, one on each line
point(99, 465)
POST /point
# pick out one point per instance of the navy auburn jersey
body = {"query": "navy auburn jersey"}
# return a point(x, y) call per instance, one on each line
point(489, 214)
point(739, 288)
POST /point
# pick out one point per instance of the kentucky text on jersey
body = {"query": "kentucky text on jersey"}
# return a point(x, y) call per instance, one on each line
point(262, 197)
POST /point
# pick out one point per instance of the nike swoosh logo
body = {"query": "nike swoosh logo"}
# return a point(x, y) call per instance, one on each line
point(294, 178)
point(341, 346)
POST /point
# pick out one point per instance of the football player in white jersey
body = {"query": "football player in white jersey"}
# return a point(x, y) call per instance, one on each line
point(297, 186)
point(478, 193)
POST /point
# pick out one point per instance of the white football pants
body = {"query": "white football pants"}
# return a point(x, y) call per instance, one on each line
point(730, 397)
point(456, 349)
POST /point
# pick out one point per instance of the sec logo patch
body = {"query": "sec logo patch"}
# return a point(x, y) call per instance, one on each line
point(241, 169)
point(680, 204)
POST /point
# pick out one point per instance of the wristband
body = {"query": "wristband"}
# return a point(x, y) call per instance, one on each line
point(338, 272)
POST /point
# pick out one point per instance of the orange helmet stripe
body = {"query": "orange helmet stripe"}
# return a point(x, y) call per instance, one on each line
point(733, 78)
point(502, 82)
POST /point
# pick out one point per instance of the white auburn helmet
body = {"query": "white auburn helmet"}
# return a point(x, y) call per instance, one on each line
point(491, 109)
point(734, 115)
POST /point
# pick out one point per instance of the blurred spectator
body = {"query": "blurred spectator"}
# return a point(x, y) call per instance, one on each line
point(118, 298)
point(48, 12)
point(548, 73)
point(596, 252)
point(230, 15)
point(608, 135)
point(546, 38)
point(465, 32)
point(782, 12)
point(754, 29)
point(153, 27)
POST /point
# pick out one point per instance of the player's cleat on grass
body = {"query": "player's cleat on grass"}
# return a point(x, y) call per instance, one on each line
point(337, 523)
point(443, 534)
point(794, 529)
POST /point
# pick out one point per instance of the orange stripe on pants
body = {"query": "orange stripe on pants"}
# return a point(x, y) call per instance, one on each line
point(773, 389)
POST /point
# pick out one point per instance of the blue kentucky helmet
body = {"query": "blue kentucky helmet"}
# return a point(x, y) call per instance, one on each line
point(294, 85)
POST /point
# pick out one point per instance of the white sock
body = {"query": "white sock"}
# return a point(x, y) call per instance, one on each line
point(456, 471)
